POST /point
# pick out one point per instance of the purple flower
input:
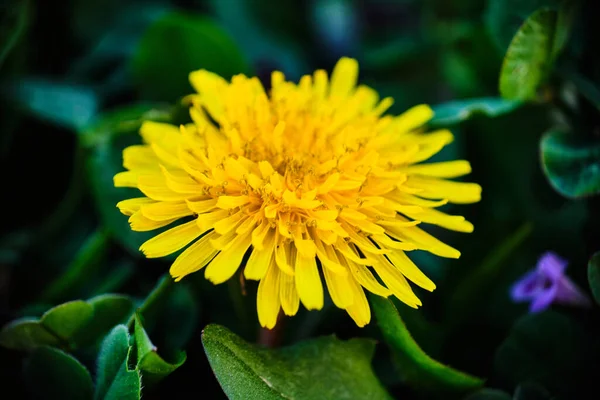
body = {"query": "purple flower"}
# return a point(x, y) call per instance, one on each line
point(548, 284)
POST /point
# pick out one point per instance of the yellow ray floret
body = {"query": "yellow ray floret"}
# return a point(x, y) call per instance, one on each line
point(311, 180)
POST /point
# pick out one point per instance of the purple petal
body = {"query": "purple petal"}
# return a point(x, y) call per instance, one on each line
point(543, 300)
point(526, 288)
point(569, 293)
point(552, 266)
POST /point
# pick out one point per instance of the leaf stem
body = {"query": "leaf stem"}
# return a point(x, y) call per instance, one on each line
point(154, 302)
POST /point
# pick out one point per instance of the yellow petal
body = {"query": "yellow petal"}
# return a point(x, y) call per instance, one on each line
point(131, 206)
point(364, 276)
point(267, 297)
point(202, 206)
point(308, 282)
point(194, 258)
point(171, 241)
point(228, 202)
point(410, 270)
point(155, 187)
point(282, 257)
point(359, 310)
point(413, 118)
point(343, 77)
point(339, 288)
point(454, 192)
point(424, 241)
point(395, 281)
point(453, 222)
point(166, 210)
point(139, 157)
point(228, 224)
point(139, 223)
point(288, 294)
point(126, 179)
point(166, 135)
point(228, 261)
point(448, 169)
point(207, 220)
point(260, 259)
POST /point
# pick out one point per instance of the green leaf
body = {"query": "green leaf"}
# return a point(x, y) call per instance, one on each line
point(176, 45)
point(53, 374)
point(594, 276)
point(70, 325)
point(151, 365)
point(457, 111)
point(109, 310)
point(529, 57)
point(26, 334)
point(65, 105)
point(571, 163)
point(13, 24)
point(66, 319)
point(489, 394)
point(548, 348)
point(322, 368)
point(504, 17)
point(105, 139)
point(114, 378)
point(418, 369)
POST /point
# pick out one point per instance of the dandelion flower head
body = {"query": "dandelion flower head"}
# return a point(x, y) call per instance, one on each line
point(305, 182)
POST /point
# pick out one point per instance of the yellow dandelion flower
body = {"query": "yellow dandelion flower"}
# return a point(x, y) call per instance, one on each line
point(310, 180)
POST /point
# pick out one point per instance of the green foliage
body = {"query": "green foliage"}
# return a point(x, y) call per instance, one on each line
point(52, 373)
point(571, 163)
point(69, 325)
point(114, 378)
point(529, 57)
point(594, 276)
point(151, 365)
point(455, 112)
point(176, 45)
point(415, 366)
point(323, 368)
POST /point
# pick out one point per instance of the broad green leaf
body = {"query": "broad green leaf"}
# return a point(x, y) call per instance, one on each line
point(548, 348)
point(418, 369)
point(457, 111)
point(504, 17)
point(529, 57)
point(176, 45)
point(531, 391)
point(489, 394)
point(571, 163)
point(27, 334)
point(14, 19)
point(105, 139)
point(114, 379)
point(109, 310)
point(594, 276)
point(66, 105)
point(70, 325)
point(66, 319)
point(322, 368)
point(152, 366)
point(53, 374)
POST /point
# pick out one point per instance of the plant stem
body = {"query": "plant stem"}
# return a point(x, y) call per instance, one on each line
point(154, 302)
